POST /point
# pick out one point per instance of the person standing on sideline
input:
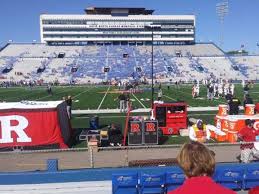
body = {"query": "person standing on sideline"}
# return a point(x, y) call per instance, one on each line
point(248, 135)
point(198, 164)
point(122, 100)
point(69, 106)
point(232, 89)
point(233, 105)
point(49, 90)
point(128, 105)
point(248, 100)
point(246, 89)
point(159, 94)
point(210, 91)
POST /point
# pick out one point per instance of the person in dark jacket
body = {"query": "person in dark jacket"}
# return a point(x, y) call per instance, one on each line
point(246, 89)
point(248, 100)
point(234, 104)
point(115, 135)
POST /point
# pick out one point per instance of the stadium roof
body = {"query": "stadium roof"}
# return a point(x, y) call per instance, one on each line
point(117, 11)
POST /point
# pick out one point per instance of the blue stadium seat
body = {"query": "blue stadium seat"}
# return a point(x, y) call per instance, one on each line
point(174, 179)
point(251, 178)
point(152, 184)
point(230, 176)
point(125, 183)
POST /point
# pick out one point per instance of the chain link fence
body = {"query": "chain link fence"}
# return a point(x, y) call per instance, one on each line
point(77, 158)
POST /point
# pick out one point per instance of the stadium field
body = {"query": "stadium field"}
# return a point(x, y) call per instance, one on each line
point(104, 97)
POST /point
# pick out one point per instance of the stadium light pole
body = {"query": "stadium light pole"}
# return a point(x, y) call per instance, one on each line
point(152, 27)
point(222, 11)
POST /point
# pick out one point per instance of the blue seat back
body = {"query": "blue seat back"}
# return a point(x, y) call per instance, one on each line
point(152, 183)
point(251, 178)
point(230, 176)
point(174, 179)
point(125, 183)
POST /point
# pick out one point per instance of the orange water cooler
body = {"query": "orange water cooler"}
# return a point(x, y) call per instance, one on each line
point(249, 109)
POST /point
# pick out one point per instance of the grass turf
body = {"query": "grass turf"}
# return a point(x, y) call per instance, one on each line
point(94, 97)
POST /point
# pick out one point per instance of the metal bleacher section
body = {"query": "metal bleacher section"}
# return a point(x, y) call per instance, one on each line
point(239, 177)
point(85, 63)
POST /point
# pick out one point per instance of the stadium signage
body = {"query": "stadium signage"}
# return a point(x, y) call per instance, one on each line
point(150, 127)
point(13, 124)
point(135, 127)
point(30, 124)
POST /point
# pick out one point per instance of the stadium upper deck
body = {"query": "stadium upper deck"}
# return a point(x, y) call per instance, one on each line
point(117, 25)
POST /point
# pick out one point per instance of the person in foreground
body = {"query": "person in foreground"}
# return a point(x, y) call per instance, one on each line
point(198, 164)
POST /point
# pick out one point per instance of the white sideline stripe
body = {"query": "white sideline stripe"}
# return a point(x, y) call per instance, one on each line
point(138, 101)
point(122, 116)
point(169, 97)
point(140, 110)
point(103, 98)
point(89, 187)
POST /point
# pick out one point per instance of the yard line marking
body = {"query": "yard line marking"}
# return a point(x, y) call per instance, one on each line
point(103, 98)
point(87, 90)
point(138, 100)
point(169, 97)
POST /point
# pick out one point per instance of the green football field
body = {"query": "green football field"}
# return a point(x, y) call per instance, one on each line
point(104, 97)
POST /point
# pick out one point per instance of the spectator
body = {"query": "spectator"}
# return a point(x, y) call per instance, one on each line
point(199, 132)
point(254, 190)
point(248, 135)
point(248, 100)
point(234, 104)
point(198, 164)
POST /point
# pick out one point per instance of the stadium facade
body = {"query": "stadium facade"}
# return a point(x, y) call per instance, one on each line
point(117, 26)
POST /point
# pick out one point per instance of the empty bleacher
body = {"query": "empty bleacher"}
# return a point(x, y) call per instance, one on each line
point(185, 62)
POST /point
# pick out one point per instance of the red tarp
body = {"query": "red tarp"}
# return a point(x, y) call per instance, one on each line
point(34, 124)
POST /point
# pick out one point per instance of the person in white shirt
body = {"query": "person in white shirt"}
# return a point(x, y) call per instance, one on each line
point(232, 89)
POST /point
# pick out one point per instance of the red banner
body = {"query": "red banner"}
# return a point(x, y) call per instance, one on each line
point(30, 128)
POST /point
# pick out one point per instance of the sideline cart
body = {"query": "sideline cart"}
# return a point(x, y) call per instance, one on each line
point(171, 116)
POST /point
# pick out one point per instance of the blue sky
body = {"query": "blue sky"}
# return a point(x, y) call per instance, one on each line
point(19, 19)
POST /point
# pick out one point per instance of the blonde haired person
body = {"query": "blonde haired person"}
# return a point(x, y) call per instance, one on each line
point(198, 164)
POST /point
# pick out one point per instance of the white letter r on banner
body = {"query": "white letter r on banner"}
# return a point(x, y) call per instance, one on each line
point(18, 129)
